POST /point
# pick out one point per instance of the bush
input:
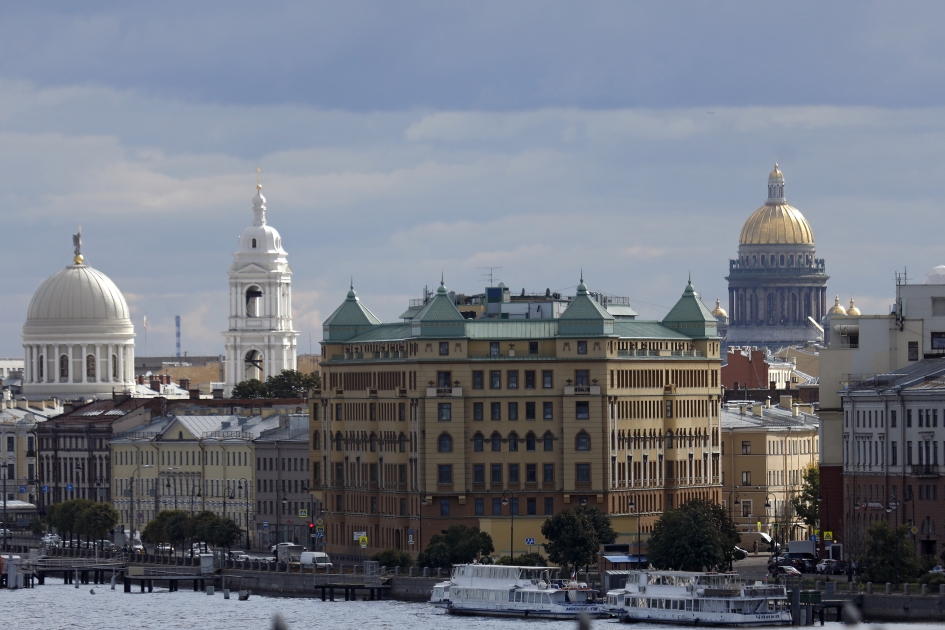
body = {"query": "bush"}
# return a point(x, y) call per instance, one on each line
point(391, 558)
point(932, 579)
point(530, 559)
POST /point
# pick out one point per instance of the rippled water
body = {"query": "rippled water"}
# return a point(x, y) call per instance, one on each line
point(56, 605)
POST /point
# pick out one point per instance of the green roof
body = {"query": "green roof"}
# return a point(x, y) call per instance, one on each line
point(642, 329)
point(692, 315)
point(349, 319)
point(584, 307)
point(439, 309)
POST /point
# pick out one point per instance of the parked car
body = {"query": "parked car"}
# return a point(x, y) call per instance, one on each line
point(105, 545)
point(316, 559)
point(825, 567)
point(52, 540)
point(937, 569)
point(785, 570)
point(164, 548)
point(136, 546)
point(239, 556)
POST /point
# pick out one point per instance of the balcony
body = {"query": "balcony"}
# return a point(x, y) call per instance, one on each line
point(444, 392)
point(925, 470)
point(582, 390)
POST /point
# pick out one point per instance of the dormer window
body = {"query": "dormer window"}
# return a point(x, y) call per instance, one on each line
point(254, 243)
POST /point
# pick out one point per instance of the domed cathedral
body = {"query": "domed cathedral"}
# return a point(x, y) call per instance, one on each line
point(78, 339)
point(777, 287)
point(260, 341)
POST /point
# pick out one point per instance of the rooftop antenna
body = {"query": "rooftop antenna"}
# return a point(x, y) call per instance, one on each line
point(490, 274)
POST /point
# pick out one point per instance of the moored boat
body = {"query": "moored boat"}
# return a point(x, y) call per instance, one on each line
point(705, 598)
point(441, 594)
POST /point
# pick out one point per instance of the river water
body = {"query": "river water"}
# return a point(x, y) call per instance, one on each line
point(56, 605)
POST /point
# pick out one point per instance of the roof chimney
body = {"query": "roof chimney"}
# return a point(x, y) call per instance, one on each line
point(758, 410)
point(185, 383)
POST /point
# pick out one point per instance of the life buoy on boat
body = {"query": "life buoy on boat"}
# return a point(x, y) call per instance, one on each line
point(752, 592)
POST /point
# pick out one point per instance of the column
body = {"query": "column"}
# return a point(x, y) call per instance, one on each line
point(98, 363)
point(70, 361)
point(84, 373)
point(120, 351)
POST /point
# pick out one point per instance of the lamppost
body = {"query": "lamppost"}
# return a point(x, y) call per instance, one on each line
point(246, 499)
point(131, 499)
point(285, 502)
point(423, 501)
point(228, 493)
point(632, 505)
point(768, 507)
point(509, 499)
point(192, 496)
point(5, 471)
point(894, 506)
point(731, 509)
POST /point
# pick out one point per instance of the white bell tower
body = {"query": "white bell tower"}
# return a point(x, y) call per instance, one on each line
point(260, 341)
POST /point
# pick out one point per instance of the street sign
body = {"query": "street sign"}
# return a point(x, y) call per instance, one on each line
point(45, 489)
point(320, 529)
point(265, 525)
point(319, 522)
point(529, 541)
point(69, 487)
point(140, 516)
point(359, 535)
point(303, 513)
point(915, 530)
point(410, 532)
point(828, 535)
point(319, 534)
point(363, 541)
point(409, 539)
point(22, 489)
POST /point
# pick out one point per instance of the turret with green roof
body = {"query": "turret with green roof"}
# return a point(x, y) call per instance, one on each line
point(585, 316)
point(691, 317)
point(349, 320)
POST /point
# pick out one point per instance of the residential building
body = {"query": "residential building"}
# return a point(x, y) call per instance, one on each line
point(499, 422)
point(756, 368)
point(765, 451)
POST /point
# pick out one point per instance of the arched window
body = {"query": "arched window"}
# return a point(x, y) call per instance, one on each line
point(513, 441)
point(254, 243)
point(253, 302)
point(42, 364)
point(403, 443)
point(477, 442)
point(582, 442)
point(530, 441)
point(496, 442)
point(445, 443)
point(315, 441)
point(64, 366)
point(373, 443)
point(549, 441)
point(115, 366)
point(669, 439)
point(90, 367)
point(180, 435)
point(339, 442)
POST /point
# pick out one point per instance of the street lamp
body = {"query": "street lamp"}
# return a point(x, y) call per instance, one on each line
point(423, 501)
point(228, 493)
point(632, 505)
point(894, 505)
point(246, 498)
point(192, 495)
point(285, 502)
point(131, 499)
point(509, 499)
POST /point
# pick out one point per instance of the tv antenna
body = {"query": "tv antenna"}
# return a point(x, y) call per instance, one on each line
point(490, 274)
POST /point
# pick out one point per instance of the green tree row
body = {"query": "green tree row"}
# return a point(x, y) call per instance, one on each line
point(287, 384)
point(82, 517)
point(178, 526)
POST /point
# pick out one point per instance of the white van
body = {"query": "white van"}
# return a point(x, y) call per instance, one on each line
point(316, 559)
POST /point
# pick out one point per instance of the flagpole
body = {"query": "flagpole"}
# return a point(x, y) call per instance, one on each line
point(145, 334)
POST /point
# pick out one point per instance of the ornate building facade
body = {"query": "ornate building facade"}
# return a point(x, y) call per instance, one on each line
point(260, 341)
point(777, 287)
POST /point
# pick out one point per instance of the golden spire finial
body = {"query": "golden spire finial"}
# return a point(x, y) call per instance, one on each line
point(258, 180)
point(77, 244)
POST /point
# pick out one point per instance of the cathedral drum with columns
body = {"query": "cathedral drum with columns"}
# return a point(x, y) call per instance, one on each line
point(777, 288)
point(78, 339)
point(260, 341)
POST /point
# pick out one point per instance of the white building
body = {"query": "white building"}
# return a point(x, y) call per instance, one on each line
point(260, 341)
point(78, 339)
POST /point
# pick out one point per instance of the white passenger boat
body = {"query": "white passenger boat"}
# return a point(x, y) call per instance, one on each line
point(441, 594)
point(503, 591)
point(679, 597)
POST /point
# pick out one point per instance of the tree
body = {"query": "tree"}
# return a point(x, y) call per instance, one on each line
point(96, 520)
point(286, 384)
point(530, 559)
point(807, 503)
point(880, 559)
point(393, 558)
point(252, 388)
point(698, 536)
point(574, 536)
point(225, 532)
point(459, 545)
point(65, 516)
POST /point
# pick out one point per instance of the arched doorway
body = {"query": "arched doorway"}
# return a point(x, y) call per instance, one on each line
point(253, 365)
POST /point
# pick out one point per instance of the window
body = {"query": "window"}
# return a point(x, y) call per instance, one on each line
point(315, 441)
point(90, 366)
point(530, 441)
point(339, 441)
point(493, 348)
point(373, 443)
point(497, 473)
point(549, 506)
point(496, 410)
point(496, 441)
point(513, 473)
point(582, 347)
point(892, 418)
point(746, 477)
point(444, 348)
point(530, 411)
point(114, 366)
point(445, 444)
point(477, 379)
point(480, 507)
point(513, 411)
point(402, 412)
point(908, 453)
point(531, 506)
point(529, 379)
point(893, 454)
point(443, 380)
point(512, 378)
point(746, 508)
point(547, 381)
point(582, 473)
point(477, 411)
point(531, 473)
point(495, 379)
point(402, 473)
point(669, 409)
point(582, 410)
point(496, 507)
point(338, 412)
point(477, 442)
point(513, 441)
point(583, 441)
point(63, 366)
point(445, 411)
point(549, 441)
point(513, 505)
point(547, 410)
point(444, 507)
point(746, 448)
point(908, 417)
point(479, 473)
point(938, 340)
point(913, 350)
point(532, 347)
point(445, 473)
point(581, 378)
point(403, 443)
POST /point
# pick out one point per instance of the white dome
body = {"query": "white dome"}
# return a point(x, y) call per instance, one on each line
point(936, 275)
point(77, 296)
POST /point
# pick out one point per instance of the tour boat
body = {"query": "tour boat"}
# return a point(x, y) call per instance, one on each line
point(441, 594)
point(706, 598)
point(504, 591)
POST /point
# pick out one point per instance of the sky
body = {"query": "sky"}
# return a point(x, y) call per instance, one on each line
point(399, 141)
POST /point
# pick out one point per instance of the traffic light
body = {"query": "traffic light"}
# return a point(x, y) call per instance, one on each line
point(311, 528)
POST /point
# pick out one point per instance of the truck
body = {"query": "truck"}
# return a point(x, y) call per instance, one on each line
point(803, 546)
point(288, 552)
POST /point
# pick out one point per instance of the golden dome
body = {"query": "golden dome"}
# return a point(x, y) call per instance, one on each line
point(718, 311)
point(853, 310)
point(776, 224)
point(776, 173)
point(836, 309)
